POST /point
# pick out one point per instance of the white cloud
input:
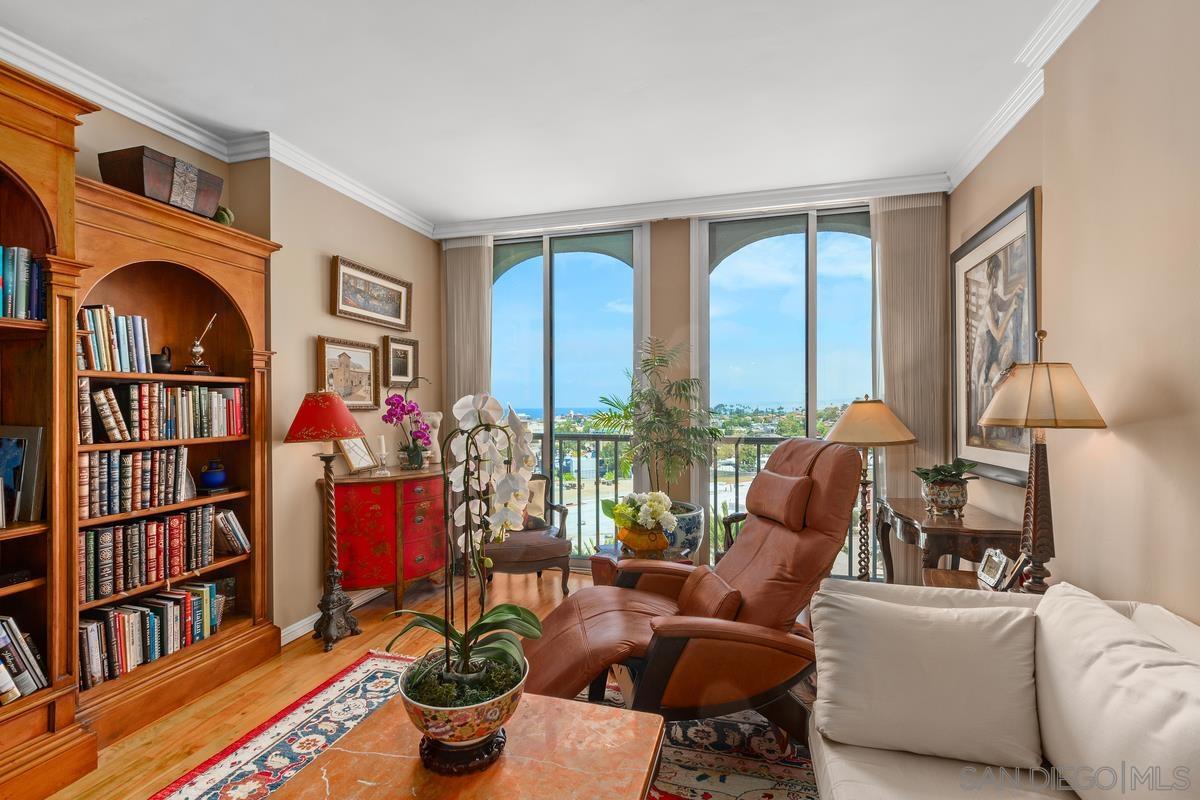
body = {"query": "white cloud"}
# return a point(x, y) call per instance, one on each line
point(618, 307)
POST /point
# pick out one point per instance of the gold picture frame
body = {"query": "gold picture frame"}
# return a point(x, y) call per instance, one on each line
point(361, 293)
point(358, 455)
point(351, 369)
point(399, 359)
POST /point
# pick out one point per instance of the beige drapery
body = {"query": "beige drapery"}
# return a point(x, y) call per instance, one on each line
point(913, 280)
point(467, 284)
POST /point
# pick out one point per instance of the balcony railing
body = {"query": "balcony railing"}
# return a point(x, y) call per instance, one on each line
point(585, 470)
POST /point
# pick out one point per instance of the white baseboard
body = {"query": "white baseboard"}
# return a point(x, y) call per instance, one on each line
point(304, 626)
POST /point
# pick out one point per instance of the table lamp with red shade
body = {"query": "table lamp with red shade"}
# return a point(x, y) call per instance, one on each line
point(323, 417)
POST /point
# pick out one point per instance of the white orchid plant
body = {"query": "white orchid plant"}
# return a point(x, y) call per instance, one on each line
point(492, 453)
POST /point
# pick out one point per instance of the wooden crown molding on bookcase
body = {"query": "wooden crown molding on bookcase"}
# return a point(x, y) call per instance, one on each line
point(176, 269)
point(42, 745)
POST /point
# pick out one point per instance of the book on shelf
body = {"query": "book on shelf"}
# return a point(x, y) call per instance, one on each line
point(116, 640)
point(114, 342)
point(22, 284)
point(20, 660)
point(113, 559)
point(150, 411)
point(120, 482)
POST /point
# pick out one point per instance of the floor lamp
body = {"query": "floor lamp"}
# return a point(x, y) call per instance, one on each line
point(1038, 396)
point(323, 417)
point(868, 423)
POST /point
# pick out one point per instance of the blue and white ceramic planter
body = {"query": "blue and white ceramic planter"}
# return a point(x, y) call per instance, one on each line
point(687, 534)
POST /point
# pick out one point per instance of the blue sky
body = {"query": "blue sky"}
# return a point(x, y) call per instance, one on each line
point(757, 310)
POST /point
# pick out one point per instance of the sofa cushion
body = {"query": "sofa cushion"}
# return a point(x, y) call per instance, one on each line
point(949, 682)
point(706, 594)
point(1113, 697)
point(1170, 629)
point(847, 772)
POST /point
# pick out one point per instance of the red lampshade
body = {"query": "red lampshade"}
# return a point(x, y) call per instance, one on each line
point(322, 417)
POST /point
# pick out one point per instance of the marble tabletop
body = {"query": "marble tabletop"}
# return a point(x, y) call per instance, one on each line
point(557, 749)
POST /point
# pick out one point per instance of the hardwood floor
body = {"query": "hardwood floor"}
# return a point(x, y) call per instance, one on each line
point(139, 765)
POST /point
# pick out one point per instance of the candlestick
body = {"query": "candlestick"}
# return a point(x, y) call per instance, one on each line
point(382, 444)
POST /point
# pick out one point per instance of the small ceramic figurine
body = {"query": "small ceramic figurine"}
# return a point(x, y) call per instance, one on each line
point(434, 418)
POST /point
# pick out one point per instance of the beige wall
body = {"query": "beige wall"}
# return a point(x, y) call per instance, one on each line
point(107, 130)
point(670, 301)
point(313, 223)
point(1120, 279)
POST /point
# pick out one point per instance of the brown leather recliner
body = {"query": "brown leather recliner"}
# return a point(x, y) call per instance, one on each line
point(701, 643)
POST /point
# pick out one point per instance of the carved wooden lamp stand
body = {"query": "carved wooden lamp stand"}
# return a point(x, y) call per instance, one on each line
point(1038, 396)
point(868, 423)
point(323, 417)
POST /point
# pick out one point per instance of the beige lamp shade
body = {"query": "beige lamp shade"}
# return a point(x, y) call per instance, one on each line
point(1042, 395)
point(870, 423)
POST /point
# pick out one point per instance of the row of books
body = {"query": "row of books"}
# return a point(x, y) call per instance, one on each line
point(120, 558)
point(114, 342)
point(122, 481)
point(22, 671)
point(117, 640)
point(23, 290)
point(147, 412)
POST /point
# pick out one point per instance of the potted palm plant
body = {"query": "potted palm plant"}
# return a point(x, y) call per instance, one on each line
point(944, 486)
point(669, 431)
point(460, 693)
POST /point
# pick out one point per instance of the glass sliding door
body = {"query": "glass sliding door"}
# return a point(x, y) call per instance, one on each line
point(574, 295)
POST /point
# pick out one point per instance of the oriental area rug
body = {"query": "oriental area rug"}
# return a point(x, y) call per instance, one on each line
point(727, 758)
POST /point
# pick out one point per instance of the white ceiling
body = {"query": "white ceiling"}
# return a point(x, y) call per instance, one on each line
point(472, 110)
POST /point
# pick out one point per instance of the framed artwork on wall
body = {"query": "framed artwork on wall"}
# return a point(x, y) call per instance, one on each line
point(361, 293)
point(351, 369)
point(358, 454)
point(399, 361)
point(995, 317)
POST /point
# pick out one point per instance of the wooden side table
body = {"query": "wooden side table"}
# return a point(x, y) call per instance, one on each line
point(966, 537)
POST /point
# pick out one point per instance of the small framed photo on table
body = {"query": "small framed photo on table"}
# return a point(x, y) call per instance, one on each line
point(357, 453)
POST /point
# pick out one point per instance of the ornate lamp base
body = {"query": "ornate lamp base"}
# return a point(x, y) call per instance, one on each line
point(336, 622)
point(1037, 528)
point(445, 759)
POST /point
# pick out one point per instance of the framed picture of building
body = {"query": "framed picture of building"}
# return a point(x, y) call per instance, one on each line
point(995, 319)
point(361, 293)
point(351, 369)
point(399, 361)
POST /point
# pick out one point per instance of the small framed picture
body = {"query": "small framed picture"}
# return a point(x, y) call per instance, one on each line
point(358, 454)
point(994, 568)
point(351, 369)
point(399, 361)
point(365, 294)
point(23, 472)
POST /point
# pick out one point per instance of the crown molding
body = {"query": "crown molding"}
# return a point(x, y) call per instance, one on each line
point(35, 59)
point(1003, 121)
point(713, 205)
point(1060, 23)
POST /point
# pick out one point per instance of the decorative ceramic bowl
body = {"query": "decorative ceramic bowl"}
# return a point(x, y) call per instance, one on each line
point(946, 498)
point(686, 536)
point(464, 726)
point(644, 543)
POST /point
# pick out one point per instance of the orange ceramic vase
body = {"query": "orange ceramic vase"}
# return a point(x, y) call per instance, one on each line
point(643, 543)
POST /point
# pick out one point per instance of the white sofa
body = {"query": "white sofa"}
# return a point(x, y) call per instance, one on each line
point(851, 772)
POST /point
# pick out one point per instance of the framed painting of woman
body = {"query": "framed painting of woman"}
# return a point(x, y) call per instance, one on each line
point(995, 318)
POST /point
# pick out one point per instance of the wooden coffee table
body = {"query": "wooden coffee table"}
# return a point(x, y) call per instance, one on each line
point(557, 749)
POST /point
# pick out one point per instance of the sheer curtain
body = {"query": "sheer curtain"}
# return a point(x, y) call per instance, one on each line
point(912, 273)
point(467, 281)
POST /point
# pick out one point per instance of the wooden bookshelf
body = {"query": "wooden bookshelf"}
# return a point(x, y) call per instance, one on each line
point(99, 446)
point(176, 270)
point(44, 746)
point(162, 377)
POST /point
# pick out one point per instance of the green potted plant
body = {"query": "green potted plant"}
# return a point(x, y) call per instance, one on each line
point(944, 486)
point(460, 694)
point(669, 431)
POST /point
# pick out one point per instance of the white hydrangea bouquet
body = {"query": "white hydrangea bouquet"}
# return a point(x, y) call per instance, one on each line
point(643, 520)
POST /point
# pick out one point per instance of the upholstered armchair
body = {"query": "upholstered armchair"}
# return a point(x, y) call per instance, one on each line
point(699, 642)
point(540, 545)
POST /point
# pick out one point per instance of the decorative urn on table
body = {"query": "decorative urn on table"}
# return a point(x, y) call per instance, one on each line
point(944, 486)
point(644, 522)
point(460, 693)
point(669, 433)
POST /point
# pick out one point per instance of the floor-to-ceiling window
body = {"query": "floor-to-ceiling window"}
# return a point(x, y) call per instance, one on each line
point(787, 337)
point(563, 328)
